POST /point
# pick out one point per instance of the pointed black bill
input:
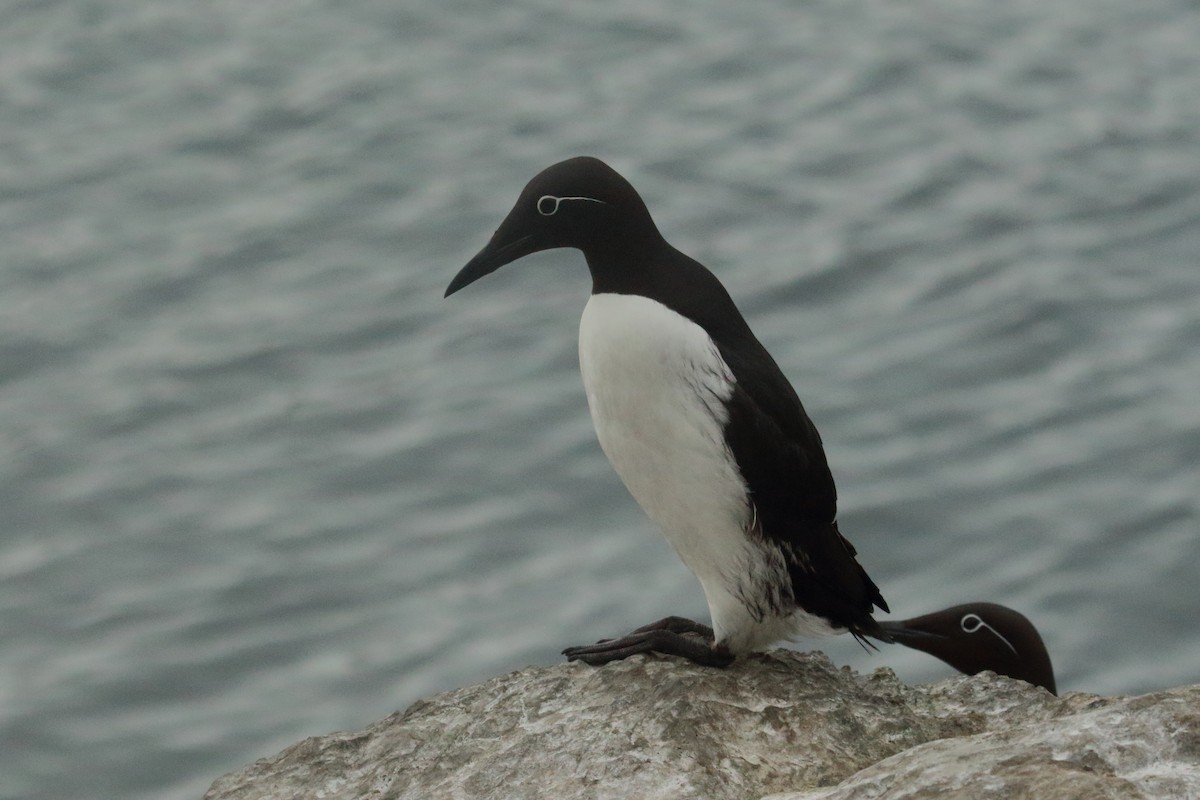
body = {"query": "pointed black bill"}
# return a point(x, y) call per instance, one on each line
point(913, 637)
point(491, 258)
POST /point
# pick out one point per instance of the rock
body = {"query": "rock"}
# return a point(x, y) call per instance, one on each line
point(784, 724)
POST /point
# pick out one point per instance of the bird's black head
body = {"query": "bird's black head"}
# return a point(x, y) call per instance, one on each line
point(581, 202)
point(980, 636)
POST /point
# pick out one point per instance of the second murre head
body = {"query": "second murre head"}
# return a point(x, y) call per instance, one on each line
point(974, 637)
point(581, 202)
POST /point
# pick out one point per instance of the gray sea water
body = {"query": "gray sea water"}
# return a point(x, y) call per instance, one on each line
point(258, 481)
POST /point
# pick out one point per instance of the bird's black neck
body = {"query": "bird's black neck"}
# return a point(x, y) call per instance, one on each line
point(628, 263)
point(656, 270)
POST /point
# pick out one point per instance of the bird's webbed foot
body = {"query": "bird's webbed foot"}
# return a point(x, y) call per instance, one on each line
point(672, 636)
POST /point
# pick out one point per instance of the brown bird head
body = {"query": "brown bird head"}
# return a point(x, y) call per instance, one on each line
point(979, 636)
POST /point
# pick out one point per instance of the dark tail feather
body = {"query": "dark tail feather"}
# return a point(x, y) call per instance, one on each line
point(879, 631)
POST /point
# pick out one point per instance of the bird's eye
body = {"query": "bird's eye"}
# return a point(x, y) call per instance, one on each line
point(973, 623)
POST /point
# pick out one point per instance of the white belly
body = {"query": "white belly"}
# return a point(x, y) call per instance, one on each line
point(656, 387)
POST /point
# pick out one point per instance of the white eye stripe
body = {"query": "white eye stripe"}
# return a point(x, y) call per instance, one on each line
point(976, 622)
point(547, 204)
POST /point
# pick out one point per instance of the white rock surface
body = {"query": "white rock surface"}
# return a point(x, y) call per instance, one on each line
point(784, 725)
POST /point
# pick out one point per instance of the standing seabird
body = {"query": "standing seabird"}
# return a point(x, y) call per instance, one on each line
point(700, 424)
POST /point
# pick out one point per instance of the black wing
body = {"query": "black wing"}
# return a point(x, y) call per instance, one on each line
point(778, 451)
point(782, 460)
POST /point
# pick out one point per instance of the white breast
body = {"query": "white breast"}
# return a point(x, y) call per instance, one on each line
point(656, 386)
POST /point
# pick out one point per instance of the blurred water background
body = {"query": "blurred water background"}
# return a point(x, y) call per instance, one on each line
point(260, 482)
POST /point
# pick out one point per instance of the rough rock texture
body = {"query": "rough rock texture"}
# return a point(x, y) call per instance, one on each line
point(784, 724)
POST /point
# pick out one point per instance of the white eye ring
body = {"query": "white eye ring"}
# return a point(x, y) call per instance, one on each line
point(547, 205)
point(976, 622)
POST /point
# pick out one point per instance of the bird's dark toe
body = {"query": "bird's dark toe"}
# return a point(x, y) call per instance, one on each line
point(654, 640)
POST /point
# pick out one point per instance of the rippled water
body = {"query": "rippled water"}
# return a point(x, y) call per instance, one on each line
point(260, 482)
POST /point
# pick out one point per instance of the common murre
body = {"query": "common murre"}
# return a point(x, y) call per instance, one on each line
point(974, 637)
point(700, 424)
